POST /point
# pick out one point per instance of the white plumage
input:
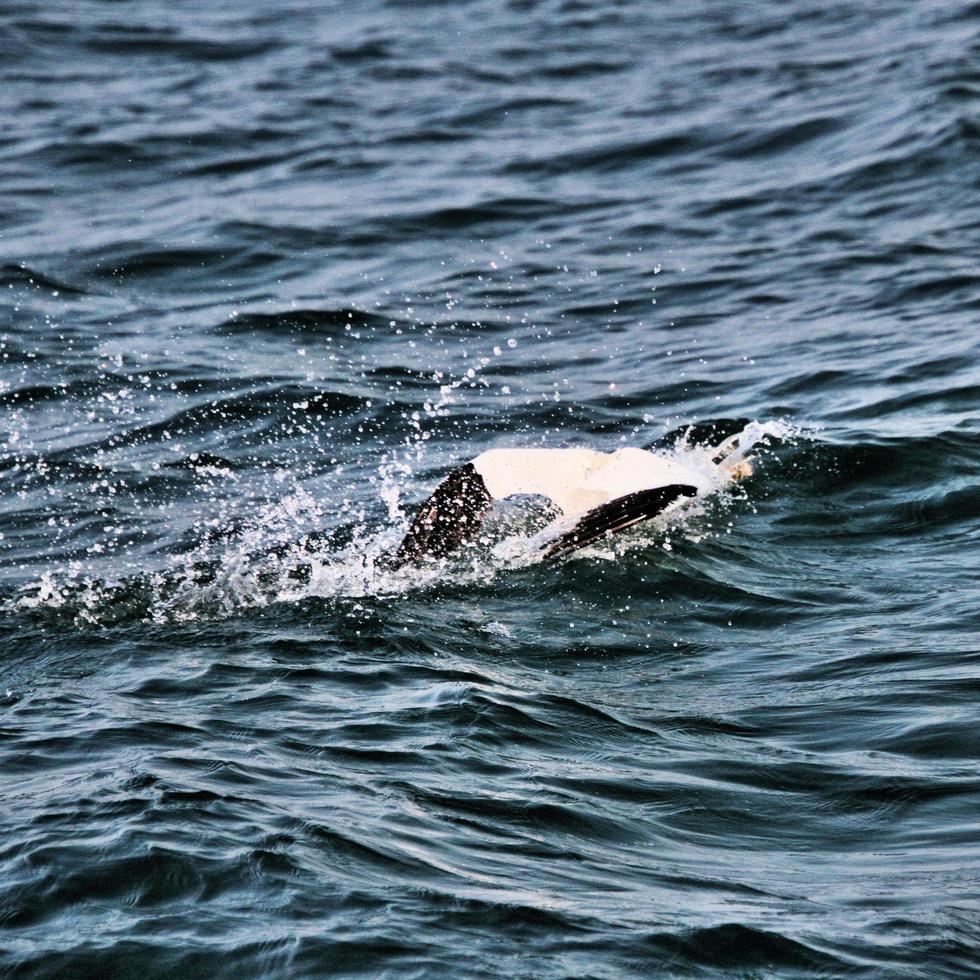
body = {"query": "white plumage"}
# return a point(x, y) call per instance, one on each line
point(576, 480)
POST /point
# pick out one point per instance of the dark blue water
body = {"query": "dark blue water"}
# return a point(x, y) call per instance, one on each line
point(269, 271)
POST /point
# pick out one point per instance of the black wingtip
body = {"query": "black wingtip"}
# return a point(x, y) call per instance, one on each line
point(616, 516)
point(451, 515)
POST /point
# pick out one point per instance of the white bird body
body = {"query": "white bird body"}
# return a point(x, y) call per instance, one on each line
point(604, 493)
point(577, 480)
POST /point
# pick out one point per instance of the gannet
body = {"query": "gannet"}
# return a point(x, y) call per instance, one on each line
point(604, 493)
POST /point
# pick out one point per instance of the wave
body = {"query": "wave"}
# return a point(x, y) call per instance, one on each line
point(301, 322)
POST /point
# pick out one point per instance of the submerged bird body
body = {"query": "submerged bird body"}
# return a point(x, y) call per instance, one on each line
point(606, 492)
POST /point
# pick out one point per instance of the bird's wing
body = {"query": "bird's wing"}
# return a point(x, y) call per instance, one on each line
point(617, 515)
point(452, 515)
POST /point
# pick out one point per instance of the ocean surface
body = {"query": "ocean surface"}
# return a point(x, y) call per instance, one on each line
point(269, 271)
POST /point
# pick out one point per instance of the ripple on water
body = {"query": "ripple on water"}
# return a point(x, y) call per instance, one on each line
point(268, 274)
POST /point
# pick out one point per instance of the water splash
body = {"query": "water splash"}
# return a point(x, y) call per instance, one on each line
point(283, 555)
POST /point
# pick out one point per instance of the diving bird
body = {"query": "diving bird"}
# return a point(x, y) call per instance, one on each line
point(604, 492)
